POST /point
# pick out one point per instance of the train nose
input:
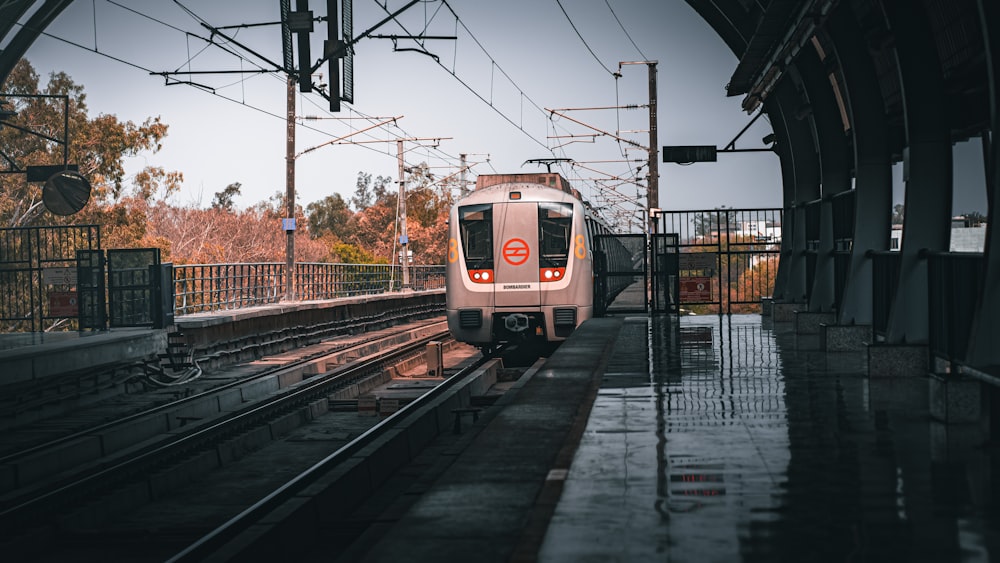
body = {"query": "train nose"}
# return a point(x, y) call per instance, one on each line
point(516, 322)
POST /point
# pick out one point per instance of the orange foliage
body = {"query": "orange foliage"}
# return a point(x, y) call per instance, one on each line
point(217, 236)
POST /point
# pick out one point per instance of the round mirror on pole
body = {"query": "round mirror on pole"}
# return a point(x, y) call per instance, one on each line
point(66, 192)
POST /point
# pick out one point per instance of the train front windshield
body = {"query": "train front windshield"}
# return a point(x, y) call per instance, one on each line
point(555, 224)
point(476, 231)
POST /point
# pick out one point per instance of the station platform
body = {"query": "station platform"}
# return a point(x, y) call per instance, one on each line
point(38, 355)
point(709, 438)
point(25, 357)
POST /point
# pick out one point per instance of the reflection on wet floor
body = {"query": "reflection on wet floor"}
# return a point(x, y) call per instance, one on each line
point(729, 439)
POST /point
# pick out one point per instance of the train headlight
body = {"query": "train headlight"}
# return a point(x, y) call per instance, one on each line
point(551, 274)
point(481, 276)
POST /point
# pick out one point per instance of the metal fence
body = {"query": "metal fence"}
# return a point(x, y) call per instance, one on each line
point(328, 281)
point(728, 257)
point(843, 241)
point(38, 273)
point(885, 276)
point(621, 264)
point(131, 286)
point(212, 287)
point(954, 283)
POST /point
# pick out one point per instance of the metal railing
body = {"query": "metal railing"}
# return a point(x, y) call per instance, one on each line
point(954, 283)
point(885, 276)
point(38, 272)
point(843, 241)
point(727, 258)
point(328, 281)
point(202, 288)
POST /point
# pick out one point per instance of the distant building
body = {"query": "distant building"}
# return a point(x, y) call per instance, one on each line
point(896, 237)
point(963, 237)
point(761, 230)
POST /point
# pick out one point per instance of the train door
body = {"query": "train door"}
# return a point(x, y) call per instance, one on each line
point(516, 252)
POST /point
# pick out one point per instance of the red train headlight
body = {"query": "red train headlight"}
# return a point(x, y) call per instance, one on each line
point(551, 274)
point(481, 276)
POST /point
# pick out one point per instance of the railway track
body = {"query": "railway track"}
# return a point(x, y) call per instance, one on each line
point(142, 457)
point(320, 512)
point(39, 401)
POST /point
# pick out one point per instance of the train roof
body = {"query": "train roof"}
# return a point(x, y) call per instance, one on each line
point(518, 190)
point(486, 183)
point(549, 179)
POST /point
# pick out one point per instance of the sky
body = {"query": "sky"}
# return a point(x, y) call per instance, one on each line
point(489, 93)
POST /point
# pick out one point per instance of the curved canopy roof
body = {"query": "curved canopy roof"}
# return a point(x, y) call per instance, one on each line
point(769, 38)
point(21, 22)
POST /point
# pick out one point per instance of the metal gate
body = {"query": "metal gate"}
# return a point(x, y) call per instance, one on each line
point(727, 259)
point(132, 281)
point(90, 288)
point(622, 278)
point(38, 275)
point(665, 274)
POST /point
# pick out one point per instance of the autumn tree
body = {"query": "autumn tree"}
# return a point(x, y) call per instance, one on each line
point(97, 145)
point(376, 232)
point(754, 283)
point(427, 205)
point(219, 235)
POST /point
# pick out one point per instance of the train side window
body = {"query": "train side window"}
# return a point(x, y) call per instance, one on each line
point(555, 223)
point(476, 231)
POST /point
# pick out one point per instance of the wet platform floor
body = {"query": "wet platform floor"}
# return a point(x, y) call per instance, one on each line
point(734, 439)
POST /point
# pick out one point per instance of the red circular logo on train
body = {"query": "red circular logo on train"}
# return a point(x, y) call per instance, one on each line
point(515, 252)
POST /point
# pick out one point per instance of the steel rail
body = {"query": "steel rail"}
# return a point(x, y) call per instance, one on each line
point(35, 511)
point(219, 537)
point(193, 399)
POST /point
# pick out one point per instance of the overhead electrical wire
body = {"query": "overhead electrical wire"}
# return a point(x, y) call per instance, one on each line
point(447, 158)
point(585, 44)
point(496, 66)
point(466, 84)
point(205, 23)
point(625, 31)
point(214, 90)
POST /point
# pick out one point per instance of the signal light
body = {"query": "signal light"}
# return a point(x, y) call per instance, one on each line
point(481, 276)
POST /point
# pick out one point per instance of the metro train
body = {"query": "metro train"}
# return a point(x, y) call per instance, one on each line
point(522, 265)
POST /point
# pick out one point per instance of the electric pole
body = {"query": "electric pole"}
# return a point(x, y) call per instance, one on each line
point(654, 170)
point(653, 189)
point(403, 239)
point(401, 203)
point(462, 190)
point(289, 222)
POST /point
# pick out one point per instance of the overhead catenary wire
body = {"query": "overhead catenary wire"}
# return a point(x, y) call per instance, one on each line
point(465, 84)
point(625, 31)
point(209, 42)
point(585, 44)
point(495, 67)
point(249, 63)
